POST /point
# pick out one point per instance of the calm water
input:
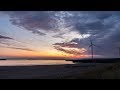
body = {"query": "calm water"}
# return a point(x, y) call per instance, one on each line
point(32, 62)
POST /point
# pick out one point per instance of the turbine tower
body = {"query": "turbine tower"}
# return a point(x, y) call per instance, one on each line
point(91, 45)
point(92, 48)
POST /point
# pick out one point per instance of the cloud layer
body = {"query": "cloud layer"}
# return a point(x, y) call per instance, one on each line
point(103, 26)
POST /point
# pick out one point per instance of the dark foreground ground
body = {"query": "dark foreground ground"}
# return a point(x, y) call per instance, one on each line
point(110, 72)
point(73, 71)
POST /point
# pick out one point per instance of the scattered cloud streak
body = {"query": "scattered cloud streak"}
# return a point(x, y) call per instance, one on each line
point(68, 45)
point(4, 37)
point(26, 49)
point(70, 48)
point(70, 51)
point(13, 46)
point(19, 48)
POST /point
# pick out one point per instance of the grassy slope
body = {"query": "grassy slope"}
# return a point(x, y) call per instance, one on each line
point(111, 72)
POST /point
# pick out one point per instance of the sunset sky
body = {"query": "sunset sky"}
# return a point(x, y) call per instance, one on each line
point(59, 33)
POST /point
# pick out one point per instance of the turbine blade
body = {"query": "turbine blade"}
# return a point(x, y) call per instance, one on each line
point(90, 46)
point(96, 46)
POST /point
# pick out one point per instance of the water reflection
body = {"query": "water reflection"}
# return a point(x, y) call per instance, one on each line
point(32, 62)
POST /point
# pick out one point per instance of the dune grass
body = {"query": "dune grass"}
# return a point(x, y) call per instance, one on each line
point(111, 72)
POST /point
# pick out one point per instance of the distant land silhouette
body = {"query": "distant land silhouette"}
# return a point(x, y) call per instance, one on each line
point(3, 59)
point(96, 60)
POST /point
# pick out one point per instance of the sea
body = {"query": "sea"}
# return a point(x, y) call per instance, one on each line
point(33, 62)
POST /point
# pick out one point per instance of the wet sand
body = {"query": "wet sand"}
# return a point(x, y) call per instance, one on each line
point(47, 71)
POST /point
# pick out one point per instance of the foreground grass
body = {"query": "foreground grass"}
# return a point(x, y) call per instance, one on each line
point(111, 72)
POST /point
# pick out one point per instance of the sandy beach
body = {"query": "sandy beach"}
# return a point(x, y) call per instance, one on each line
point(47, 71)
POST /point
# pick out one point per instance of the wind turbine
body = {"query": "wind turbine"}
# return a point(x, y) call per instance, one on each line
point(92, 47)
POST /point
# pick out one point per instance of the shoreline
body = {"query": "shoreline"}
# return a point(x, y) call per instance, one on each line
point(47, 71)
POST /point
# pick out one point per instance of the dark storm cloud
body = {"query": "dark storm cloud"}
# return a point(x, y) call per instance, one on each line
point(93, 28)
point(81, 20)
point(103, 26)
point(35, 22)
point(4, 37)
point(84, 21)
point(92, 22)
point(32, 20)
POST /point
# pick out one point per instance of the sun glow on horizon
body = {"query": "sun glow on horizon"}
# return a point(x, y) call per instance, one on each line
point(22, 53)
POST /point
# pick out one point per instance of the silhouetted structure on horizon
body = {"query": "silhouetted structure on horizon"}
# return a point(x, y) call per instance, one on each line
point(92, 45)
